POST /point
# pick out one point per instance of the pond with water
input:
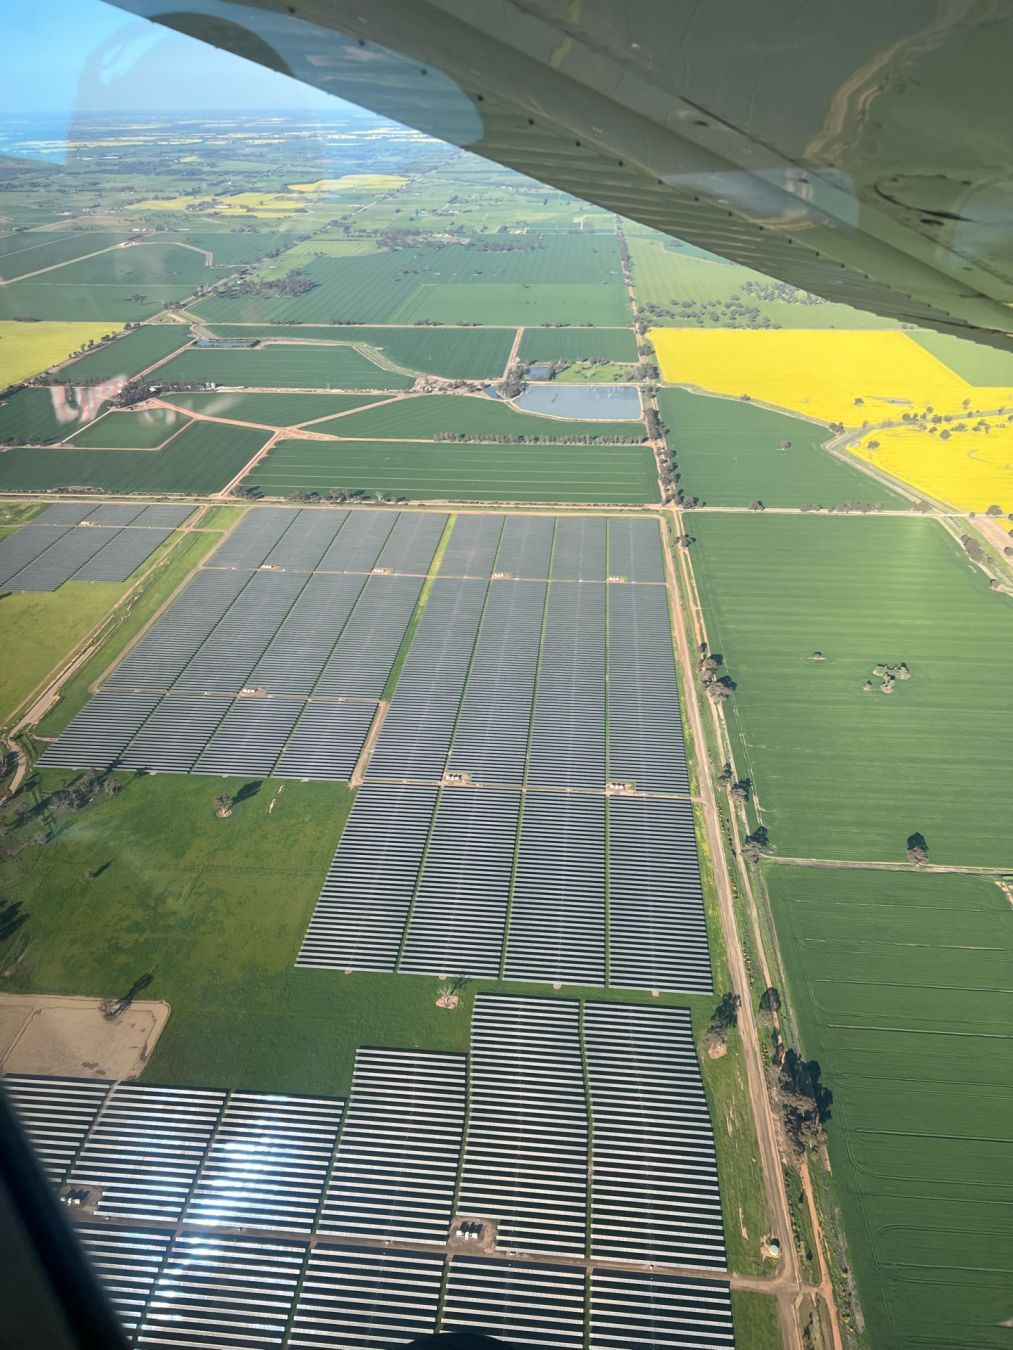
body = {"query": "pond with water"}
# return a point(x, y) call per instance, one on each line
point(593, 402)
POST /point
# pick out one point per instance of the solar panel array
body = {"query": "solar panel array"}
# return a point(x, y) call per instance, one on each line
point(557, 922)
point(567, 747)
point(657, 927)
point(655, 1194)
point(504, 682)
point(329, 540)
point(78, 542)
point(490, 741)
point(219, 1219)
point(287, 609)
point(525, 1159)
point(630, 1310)
point(520, 1303)
point(396, 1166)
point(637, 1132)
point(645, 740)
point(460, 905)
point(363, 1299)
point(416, 734)
point(360, 917)
point(296, 645)
point(558, 887)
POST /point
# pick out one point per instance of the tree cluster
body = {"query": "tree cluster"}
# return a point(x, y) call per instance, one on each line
point(804, 1101)
point(461, 437)
point(717, 686)
point(295, 283)
point(515, 381)
point(973, 549)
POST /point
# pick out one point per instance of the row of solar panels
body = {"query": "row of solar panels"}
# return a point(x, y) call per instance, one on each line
point(116, 514)
point(57, 547)
point(333, 541)
point(561, 887)
point(208, 733)
point(506, 682)
point(224, 1292)
point(563, 1099)
point(561, 548)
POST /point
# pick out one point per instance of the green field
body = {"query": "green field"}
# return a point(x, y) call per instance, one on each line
point(729, 454)
point(521, 304)
point(47, 299)
point(41, 626)
point(273, 410)
point(562, 279)
point(755, 1319)
point(280, 367)
point(32, 251)
point(901, 986)
point(972, 361)
point(422, 471)
point(216, 911)
point(839, 773)
point(578, 344)
point(227, 248)
point(203, 458)
point(128, 355)
point(455, 353)
point(123, 430)
point(670, 279)
point(40, 414)
point(432, 414)
point(167, 264)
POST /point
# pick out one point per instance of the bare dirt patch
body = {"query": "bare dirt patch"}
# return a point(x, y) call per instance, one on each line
point(56, 1034)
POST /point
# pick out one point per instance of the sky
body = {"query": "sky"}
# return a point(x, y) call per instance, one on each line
point(74, 56)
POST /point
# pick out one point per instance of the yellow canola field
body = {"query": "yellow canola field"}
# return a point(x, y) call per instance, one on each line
point(28, 348)
point(971, 470)
point(351, 180)
point(854, 377)
point(268, 204)
point(240, 204)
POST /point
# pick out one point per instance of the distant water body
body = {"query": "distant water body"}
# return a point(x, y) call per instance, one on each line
point(590, 402)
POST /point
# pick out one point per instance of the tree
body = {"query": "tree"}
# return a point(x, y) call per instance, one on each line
point(726, 1015)
point(754, 844)
point(223, 805)
point(770, 1000)
point(742, 789)
point(756, 504)
point(917, 848)
point(994, 510)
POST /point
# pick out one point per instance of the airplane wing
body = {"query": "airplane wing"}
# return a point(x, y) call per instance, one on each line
point(862, 152)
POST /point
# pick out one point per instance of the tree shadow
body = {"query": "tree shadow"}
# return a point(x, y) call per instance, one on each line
point(12, 917)
point(247, 791)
